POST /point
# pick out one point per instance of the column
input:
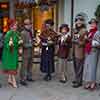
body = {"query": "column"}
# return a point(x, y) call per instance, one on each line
point(11, 9)
point(60, 12)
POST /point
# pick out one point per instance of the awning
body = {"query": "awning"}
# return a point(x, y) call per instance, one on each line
point(27, 1)
point(36, 1)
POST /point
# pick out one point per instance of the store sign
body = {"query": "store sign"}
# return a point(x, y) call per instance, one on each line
point(4, 9)
point(4, 5)
point(27, 1)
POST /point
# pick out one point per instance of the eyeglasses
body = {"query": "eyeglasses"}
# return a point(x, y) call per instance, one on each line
point(81, 19)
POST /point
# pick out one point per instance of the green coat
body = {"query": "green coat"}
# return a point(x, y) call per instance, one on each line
point(10, 59)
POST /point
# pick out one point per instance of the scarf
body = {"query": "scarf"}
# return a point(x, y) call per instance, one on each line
point(30, 33)
point(88, 46)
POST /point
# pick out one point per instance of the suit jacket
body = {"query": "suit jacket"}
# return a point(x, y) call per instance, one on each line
point(64, 47)
point(27, 39)
point(79, 43)
point(49, 35)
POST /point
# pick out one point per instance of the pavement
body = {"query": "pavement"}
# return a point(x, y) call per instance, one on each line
point(53, 90)
point(41, 90)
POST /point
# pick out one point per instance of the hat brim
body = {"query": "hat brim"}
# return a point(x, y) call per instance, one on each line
point(90, 22)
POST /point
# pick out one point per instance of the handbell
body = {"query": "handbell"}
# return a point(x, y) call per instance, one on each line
point(11, 46)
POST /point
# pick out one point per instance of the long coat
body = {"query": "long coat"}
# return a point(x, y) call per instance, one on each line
point(79, 40)
point(48, 50)
point(64, 47)
point(10, 59)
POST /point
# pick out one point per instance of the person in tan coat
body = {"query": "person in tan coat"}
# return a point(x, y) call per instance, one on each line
point(64, 43)
point(79, 37)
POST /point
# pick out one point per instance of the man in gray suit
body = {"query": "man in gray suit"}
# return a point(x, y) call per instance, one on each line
point(26, 68)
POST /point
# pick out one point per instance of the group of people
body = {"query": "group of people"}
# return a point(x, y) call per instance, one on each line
point(86, 51)
point(85, 45)
point(18, 44)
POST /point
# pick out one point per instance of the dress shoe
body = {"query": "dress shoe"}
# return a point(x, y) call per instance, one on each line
point(74, 82)
point(77, 85)
point(63, 81)
point(23, 82)
point(47, 78)
point(30, 80)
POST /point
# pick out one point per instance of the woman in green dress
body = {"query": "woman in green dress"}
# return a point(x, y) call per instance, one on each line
point(12, 42)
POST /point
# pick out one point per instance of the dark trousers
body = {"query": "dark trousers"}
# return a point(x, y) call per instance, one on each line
point(78, 67)
point(26, 68)
point(47, 60)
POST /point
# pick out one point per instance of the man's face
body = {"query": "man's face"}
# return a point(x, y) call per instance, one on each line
point(79, 22)
point(28, 24)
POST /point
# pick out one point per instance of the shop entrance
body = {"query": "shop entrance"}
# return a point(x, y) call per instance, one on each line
point(4, 17)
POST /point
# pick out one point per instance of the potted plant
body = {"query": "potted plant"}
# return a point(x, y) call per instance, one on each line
point(97, 12)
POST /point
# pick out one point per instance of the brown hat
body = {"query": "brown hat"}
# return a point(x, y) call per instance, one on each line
point(64, 25)
point(93, 20)
point(79, 17)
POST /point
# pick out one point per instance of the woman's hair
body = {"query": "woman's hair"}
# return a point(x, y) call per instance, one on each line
point(64, 26)
point(49, 22)
point(11, 22)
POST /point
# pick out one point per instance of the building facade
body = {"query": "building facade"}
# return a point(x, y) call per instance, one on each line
point(64, 11)
point(87, 7)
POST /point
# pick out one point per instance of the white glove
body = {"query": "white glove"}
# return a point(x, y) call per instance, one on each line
point(10, 43)
point(20, 50)
point(20, 42)
point(95, 43)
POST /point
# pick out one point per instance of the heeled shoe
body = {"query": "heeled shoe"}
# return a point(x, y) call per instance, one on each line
point(12, 85)
point(87, 86)
point(15, 86)
point(93, 87)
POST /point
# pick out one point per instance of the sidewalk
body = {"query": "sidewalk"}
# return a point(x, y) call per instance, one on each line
point(53, 90)
point(41, 90)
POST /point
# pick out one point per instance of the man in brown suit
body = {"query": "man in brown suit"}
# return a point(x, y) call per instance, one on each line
point(26, 69)
point(79, 36)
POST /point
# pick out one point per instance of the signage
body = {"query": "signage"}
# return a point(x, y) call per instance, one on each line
point(4, 5)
